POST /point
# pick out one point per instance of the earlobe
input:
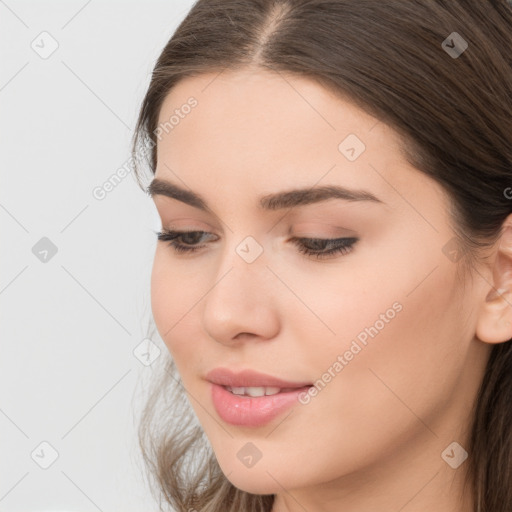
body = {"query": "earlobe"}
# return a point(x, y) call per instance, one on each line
point(494, 324)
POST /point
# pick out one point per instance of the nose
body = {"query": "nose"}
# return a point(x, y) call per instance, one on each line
point(241, 304)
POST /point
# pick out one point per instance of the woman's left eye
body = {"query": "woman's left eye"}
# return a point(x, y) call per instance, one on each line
point(316, 247)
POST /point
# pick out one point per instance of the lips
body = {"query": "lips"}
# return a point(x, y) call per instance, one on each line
point(252, 399)
point(250, 379)
point(248, 411)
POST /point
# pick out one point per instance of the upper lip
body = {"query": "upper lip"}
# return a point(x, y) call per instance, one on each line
point(249, 378)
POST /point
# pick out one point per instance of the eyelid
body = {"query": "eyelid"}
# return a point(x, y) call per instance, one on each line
point(322, 233)
point(188, 225)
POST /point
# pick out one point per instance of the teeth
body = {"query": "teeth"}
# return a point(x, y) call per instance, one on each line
point(254, 391)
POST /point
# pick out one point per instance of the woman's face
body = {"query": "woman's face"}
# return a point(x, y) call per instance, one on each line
point(383, 329)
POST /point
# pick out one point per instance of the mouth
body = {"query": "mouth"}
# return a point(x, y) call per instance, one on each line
point(249, 398)
point(258, 391)
point(253, 406)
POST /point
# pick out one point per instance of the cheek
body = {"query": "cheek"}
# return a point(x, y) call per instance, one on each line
point(161, 294)
point(400, 336)
point(169, 299)
point(408, 355)
point(401, 374)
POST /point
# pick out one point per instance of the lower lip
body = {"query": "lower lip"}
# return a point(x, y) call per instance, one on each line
point(252, 411)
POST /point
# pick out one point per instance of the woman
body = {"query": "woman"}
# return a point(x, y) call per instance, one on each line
point(333, 275)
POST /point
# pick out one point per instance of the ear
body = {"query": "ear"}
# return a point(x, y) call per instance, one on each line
point(494, 324)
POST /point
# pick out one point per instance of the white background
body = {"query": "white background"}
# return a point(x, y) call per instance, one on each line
point(69, 325)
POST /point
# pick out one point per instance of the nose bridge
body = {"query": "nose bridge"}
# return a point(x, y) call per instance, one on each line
point(239, 299)
point(241, 264)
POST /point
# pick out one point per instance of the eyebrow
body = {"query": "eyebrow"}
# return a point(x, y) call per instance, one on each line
point(275, 201)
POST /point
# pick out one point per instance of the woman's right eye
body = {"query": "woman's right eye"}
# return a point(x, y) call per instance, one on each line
point(190, 238)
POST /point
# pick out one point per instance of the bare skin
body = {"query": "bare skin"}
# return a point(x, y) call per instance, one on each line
point(373, 437)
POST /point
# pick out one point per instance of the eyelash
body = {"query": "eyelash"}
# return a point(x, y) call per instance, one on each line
point(344, 246)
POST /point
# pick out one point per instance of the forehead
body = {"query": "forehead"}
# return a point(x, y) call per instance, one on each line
point(258, 131)
point(264, 104)
point(260, 115)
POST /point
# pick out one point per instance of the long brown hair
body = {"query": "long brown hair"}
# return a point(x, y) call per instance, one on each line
point(454, 115)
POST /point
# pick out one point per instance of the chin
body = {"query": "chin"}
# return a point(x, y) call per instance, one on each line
point(255, 486)
point(256, 480)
